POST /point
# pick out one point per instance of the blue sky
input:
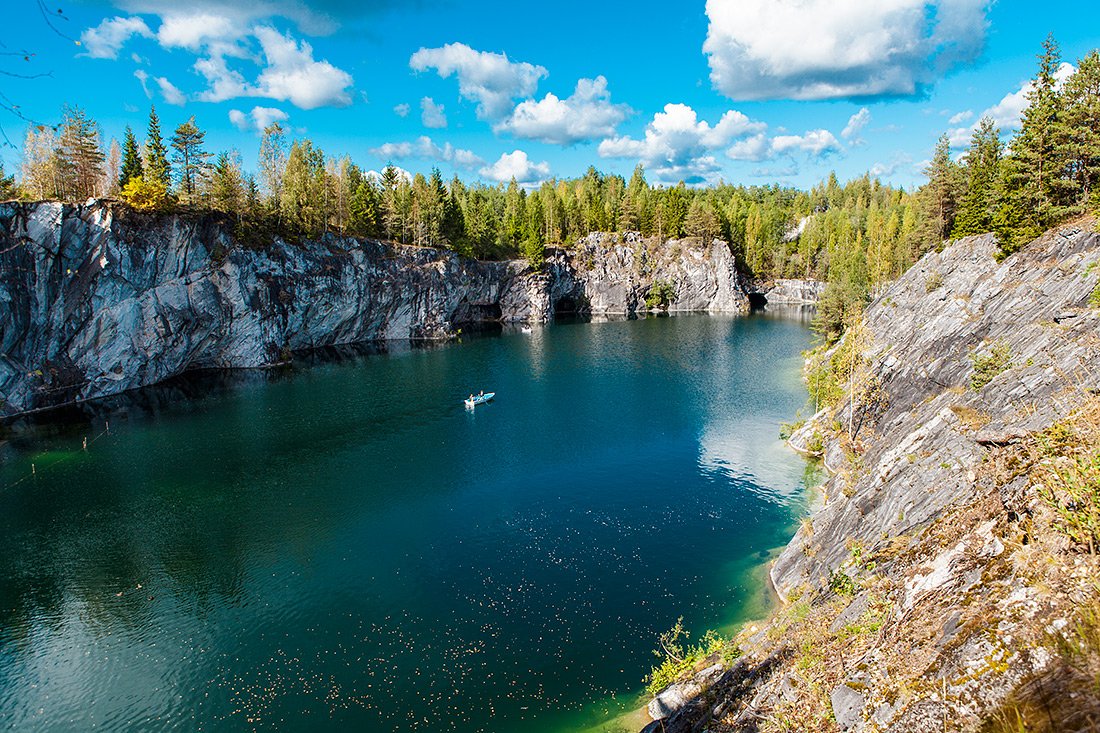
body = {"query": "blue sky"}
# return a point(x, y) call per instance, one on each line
point(746, 91)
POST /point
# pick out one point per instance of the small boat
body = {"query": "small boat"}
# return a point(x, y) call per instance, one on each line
point(479, 399)
point(526, 329)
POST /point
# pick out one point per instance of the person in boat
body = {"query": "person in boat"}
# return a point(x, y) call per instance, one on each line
point(471, 397)
point(481, 393)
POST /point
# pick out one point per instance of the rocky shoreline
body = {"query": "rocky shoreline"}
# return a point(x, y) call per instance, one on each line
point(97, 299)
point(938, 587)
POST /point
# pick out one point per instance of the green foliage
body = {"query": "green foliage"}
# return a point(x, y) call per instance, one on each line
point(131, 159)
point(191, 159)
point(1094, 299)
point(989, 365)
point(841, 583)
point(1070, 473)
point(660, 294)
point(678, 658)
point(157, 170)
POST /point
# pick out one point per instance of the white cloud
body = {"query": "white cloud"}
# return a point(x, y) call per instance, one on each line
point(402, 174)
point(402, 110)
point(825, 49)
point(960, 117)
point(106, 39)
point(425, 148)
point(585, 115)
point(855, 126)
point(679, 146)
point(222, 82)
point(196, 31)
point(171, 93)
point(884, 170)
point(489, 79)
point(143, 77)
point(755, 148)
point(256, 120)
point(1006, 114)
point(518, 166)
point(814, 143)
point(293, 75)
point(431, 114)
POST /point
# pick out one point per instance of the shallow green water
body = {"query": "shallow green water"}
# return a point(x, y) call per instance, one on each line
point(346, 547)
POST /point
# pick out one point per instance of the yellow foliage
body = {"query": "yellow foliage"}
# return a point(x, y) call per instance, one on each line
point(146, 195)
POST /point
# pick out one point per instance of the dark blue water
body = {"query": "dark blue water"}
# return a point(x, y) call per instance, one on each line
point(347, 547)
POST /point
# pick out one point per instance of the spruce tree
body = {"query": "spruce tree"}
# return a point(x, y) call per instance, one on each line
point(983, 169)
point(131, 159)
point(157, 170)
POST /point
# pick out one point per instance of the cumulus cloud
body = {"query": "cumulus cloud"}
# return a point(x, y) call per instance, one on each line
point(196, 31)
point(884, 170)
point(106, 39)
point(1007, 113)
point(587, 114)
point(424, 147)
point(827, 49)
point(293, 75)
point(679, 146)
point(757, 147)
point(402, 110)
point(814, 143)
point(856, 123)
point(490, 79)
point(256, 120)
point(516, 165)
point(431, 114)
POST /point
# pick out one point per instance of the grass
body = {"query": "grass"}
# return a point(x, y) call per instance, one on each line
point(972, 418)
point(678, 658)
point(987, 366)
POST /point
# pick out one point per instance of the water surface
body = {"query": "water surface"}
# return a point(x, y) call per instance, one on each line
point(346, 547)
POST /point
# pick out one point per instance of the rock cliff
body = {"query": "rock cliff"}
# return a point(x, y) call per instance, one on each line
point(947, 581)
point(98, 299)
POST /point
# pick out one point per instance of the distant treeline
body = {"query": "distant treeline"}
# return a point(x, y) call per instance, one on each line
point(856, 236)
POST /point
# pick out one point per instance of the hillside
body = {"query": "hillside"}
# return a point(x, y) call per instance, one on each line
point(949, 579)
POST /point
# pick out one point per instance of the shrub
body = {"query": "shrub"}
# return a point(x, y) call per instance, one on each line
point(988, 366)
point(660, 294)
point(1094, 299)
point(841, 583)
point(1070, 476)
point(146, 195)
point(933, 282)
point(678, 658)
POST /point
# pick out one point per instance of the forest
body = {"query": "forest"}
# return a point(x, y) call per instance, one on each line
point(857, 235)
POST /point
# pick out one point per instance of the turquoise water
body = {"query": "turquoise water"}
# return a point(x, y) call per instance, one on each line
point(344, 546)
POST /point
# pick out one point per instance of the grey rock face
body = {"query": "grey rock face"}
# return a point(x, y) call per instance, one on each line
point(98, 299)
point(794, 292)
point(919, 454)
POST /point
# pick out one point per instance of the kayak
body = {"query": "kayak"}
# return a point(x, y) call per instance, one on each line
point(479, 399)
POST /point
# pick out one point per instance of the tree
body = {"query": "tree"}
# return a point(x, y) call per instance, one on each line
point(146, 195)
point(701, 221)
point(109, 185)
point(273, 163)
point(982, 172)
point(940, 194)
point(79, 156)
point(131, 159)
point(191, 159)
point(155, 164)
point(226, 187)
point(8, 189)
point(1079, 143)
point(41, 171)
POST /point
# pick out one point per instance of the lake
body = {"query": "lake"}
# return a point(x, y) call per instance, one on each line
point(342, 545)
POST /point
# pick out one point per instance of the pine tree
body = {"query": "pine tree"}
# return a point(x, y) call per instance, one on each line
point(131, 159)
point(80, 158)
point(1079, 143)
point(982, 173)
point(8, 189)
point(192, 161)
point(940, 195)
point(701, 221)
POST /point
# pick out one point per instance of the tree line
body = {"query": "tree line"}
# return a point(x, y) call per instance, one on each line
point(1046, 173)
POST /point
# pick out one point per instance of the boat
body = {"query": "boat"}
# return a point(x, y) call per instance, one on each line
point(526, 329)
point(479, 399)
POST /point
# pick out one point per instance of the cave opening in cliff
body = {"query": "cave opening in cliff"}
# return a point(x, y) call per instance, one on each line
point(565, 307)
point(757, 301)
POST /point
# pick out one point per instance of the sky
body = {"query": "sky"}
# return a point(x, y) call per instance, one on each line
point(742, 91)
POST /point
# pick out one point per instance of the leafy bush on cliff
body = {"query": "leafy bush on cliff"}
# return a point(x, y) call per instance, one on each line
point(987, 366)
point(679, 658)
point(660, 294)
